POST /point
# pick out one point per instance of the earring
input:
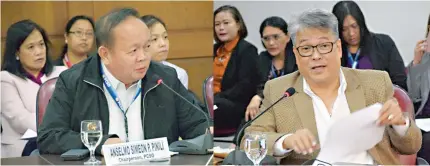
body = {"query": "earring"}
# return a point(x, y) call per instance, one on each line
point(17, 58)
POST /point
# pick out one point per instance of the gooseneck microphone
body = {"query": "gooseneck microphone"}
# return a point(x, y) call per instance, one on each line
point(238, 157)
point(202, 144)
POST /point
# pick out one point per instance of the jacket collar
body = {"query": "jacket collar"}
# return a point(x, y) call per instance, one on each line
point(92, 73)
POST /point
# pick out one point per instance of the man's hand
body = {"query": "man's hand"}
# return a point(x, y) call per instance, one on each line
point(112, 141)
point(303, 142)
point(391, 114)
point(253, 107)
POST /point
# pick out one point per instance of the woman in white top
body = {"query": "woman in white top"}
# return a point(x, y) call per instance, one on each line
point(159, 47)
point(26, 66)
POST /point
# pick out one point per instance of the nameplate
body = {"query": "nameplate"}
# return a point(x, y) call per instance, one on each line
point(136, 151)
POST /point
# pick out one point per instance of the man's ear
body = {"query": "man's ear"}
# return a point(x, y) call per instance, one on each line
point(104, 54)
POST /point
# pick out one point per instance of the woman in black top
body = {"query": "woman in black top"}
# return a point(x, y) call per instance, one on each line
point(363, 49)
point(276, 61)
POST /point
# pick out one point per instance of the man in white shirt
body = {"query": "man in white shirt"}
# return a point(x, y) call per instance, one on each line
point(121, 87)
point(325, 92)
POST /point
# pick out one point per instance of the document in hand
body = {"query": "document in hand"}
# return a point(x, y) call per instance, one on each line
point(29, 134)
point(355, 133)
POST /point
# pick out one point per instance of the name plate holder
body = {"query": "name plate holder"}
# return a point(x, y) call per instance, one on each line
point(136, 151)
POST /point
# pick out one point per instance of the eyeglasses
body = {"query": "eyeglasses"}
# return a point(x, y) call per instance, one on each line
point(267, 38)
point(81, 34)
point(323, 48)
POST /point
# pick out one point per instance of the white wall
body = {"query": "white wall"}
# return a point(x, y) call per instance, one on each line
point(404, 21)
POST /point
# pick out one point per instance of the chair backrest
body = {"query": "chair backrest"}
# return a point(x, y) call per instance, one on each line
point(406, 105)
point(208, 94)
point(43, 96)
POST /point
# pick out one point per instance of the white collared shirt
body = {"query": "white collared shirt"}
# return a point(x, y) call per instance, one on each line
point(182, 74)
point(116, 117)
point(324, 121)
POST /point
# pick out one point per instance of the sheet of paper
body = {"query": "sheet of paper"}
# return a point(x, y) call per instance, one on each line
point(423, 124)
point(215, 107)
point(29, 134)
point(356, 133)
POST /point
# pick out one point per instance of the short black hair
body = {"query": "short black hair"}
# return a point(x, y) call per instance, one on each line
point(345, 8)
point(69, 25)
point(150, 20)
point(15, 36)
point(108, 22)
point(276, 22)
point(243, 32)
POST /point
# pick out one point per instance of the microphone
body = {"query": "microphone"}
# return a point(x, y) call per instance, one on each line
point(202, 144)
point(238, 157)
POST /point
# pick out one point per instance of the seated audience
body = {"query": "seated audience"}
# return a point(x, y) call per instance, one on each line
point(144, 109)
point(159, 47)
point(276, 61)
point(363, 49)
point(235, 70)
point(26, 67)
point(79, 39)
point(325, 93)
point(419, 87)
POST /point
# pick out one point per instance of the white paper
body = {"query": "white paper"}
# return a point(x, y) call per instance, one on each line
point(354, 134)
point(423, 124)
point(215, 107)
point(29, 134)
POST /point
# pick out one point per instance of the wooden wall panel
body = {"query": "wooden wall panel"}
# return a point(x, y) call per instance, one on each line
point(198, 70)
point(190, 43)
point(50, 15)
point(75, 8)
point(177, 15)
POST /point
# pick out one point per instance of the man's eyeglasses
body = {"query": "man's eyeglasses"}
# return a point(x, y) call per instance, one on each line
point(274, 37)
point(81, 34)
point(323, 48)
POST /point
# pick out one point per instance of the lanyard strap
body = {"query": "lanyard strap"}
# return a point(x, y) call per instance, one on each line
point(67, 61)
point(115, 97)
point(273, 71)
point(353, 61)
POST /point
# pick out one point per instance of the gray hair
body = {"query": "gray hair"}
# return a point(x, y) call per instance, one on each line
point(315, 18)
point(106, 24)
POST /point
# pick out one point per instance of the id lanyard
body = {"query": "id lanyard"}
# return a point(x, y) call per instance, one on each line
point(115, 97)
point(273, 71)
point(353, 61)
point(67, 61)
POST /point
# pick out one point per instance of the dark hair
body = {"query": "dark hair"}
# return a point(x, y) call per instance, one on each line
point(69, 25)
point(276, 22)
point(108, 22)
point(428, 26)
point(345, 8)
point(243, 32)
point(16, 35)
point(150, 20)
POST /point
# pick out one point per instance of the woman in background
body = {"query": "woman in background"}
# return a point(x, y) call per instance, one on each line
point(363, 49)
point(419, 87)
point(159, 47)
point(79, 39)
point(276, 61)
point(235, 70)
point(26, 67)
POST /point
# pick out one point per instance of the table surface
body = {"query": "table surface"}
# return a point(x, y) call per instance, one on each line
point(179, 159)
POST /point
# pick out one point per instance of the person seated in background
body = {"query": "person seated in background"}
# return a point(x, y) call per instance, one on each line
point(26, 67)
point(159, 47)
point(120, 87)
point(276, 61)
point(419, 87)
point(79, 39)
point(363, 49)
point(235, 70)
point(326, 93)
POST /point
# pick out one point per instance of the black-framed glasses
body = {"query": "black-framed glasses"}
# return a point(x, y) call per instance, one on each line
point(323, 48)
point(81, 34)
point(274, 37)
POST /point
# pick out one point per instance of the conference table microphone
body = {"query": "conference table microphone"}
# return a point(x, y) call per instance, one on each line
point(202, 144)
point(238, 157)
